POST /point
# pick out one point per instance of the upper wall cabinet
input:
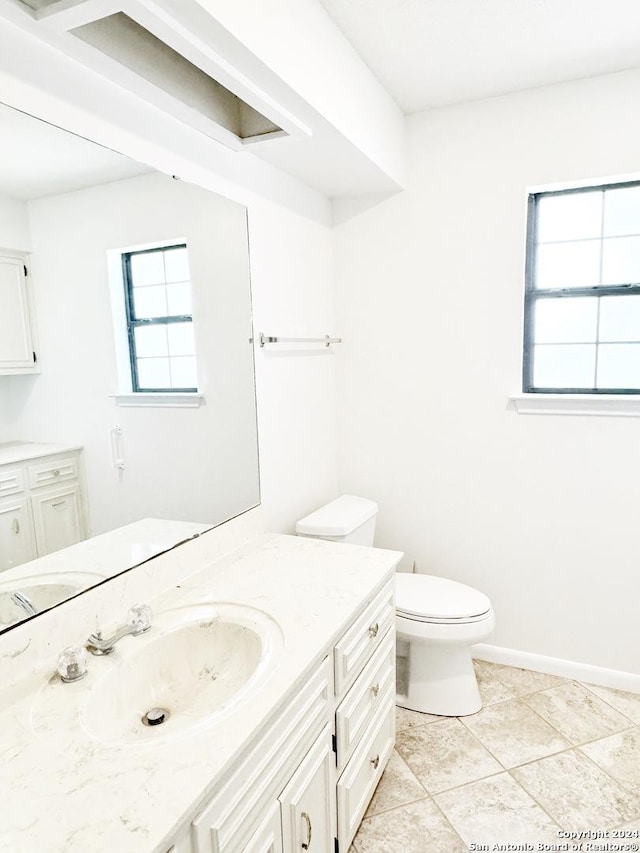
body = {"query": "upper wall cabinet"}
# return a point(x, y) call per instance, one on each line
point(17, 344)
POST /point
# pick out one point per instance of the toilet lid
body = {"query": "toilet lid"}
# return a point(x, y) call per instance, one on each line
point(430, 599)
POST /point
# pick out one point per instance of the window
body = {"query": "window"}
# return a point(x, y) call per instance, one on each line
point(582, 297)
point(159, 319)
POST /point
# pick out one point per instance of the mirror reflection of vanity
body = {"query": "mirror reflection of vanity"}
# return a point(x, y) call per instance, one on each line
point(112, 418)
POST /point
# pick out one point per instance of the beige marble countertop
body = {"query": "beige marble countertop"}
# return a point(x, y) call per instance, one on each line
point(63, 792)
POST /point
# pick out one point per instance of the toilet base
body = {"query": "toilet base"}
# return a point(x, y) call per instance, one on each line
point(442, 681)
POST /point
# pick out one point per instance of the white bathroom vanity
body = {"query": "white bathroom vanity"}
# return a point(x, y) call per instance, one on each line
point(282, 759)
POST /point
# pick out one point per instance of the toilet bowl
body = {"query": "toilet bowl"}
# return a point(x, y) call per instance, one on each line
point(437, 620)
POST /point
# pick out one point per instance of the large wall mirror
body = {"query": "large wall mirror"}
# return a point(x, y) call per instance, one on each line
point(127, 396)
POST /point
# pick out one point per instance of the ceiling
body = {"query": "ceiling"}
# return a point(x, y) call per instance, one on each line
point(430, 53)
point(38, 159)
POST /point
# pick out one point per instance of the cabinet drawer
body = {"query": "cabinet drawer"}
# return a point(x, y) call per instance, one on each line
point(268, 836)
point(11, 481)
point(53, 471)
point(226, 823)
point(363, 772)
point(363, 638)
point(365, 698)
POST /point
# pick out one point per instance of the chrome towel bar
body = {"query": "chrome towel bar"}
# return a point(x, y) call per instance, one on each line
point(276, 339)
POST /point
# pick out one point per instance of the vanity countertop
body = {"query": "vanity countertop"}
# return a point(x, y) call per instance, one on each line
point(20, 451)
point(64, 791)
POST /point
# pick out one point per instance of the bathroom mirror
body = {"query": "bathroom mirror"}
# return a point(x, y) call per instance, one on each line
point(115, 253)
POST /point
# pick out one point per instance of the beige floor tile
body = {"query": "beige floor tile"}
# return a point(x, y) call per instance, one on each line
point(514, 733)
point(397, 787)
point(578, 714)
point(576, 793)
point(444, 754)
point(406, 719)
point(416, 828)
point(632, 827)
point(523, 681)
point(492, 690)
point(619, 755)
point(627, 703)
point(496, 811)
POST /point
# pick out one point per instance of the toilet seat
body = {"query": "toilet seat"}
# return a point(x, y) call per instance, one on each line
point(426, 598)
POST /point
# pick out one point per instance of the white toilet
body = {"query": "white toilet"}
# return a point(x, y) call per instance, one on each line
point(437, 620)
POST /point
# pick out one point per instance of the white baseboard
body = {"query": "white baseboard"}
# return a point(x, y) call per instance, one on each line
point(557, 666)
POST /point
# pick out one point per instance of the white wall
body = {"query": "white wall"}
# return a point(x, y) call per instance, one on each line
point(14, 224)
point(291, 268)
point(538, 511)
point(196, 464)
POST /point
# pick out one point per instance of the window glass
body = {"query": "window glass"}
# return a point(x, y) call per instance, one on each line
point(619, 366)
point(572, 216)
point(622, 211)
point(621, 260)
point(159, 318)
point(567, 365)
point(568, 264)
point(582, 297)
point(566, 320)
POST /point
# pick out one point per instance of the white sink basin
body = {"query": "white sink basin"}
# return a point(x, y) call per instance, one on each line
point(197, 663)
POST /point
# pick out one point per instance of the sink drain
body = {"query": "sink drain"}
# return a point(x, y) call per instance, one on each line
point(155, 717)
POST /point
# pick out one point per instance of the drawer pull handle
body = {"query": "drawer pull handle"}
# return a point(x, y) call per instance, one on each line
point(56, 472)
point(16, 526)
point(375, 689)
point(375, 761)
point(373, 630)
point(59, 503)
point(306, 844)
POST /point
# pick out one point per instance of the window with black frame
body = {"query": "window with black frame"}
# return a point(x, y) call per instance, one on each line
point(160, 320)
point(582, 296)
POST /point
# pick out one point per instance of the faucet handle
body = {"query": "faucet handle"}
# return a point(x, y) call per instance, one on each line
point(72, 663)
point(140, 618)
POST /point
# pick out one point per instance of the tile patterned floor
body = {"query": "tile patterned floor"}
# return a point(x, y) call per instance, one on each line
point(544, 754)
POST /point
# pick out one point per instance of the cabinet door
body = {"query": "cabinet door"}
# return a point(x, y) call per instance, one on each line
point(268, 836)
point(16, 340)
point(17, 542)
point(308, 810)
point(57, 515)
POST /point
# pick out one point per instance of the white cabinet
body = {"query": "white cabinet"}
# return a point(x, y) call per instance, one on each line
point(17, 540)
point(42, 503)
point(365, 716)
point(17, 343)
point(307, 803)
point(305, 785)
point(57, 517)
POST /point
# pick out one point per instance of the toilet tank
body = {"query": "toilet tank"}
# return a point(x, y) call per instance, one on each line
point(346, 519)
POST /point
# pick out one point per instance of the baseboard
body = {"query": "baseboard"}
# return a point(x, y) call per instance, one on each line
point(557, 666)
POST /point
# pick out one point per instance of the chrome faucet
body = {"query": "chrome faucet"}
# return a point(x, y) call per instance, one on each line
point(24, 603)
point(139, 621)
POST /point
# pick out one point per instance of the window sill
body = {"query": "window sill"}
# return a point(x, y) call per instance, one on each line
point(609, 405)
point(159, 401)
